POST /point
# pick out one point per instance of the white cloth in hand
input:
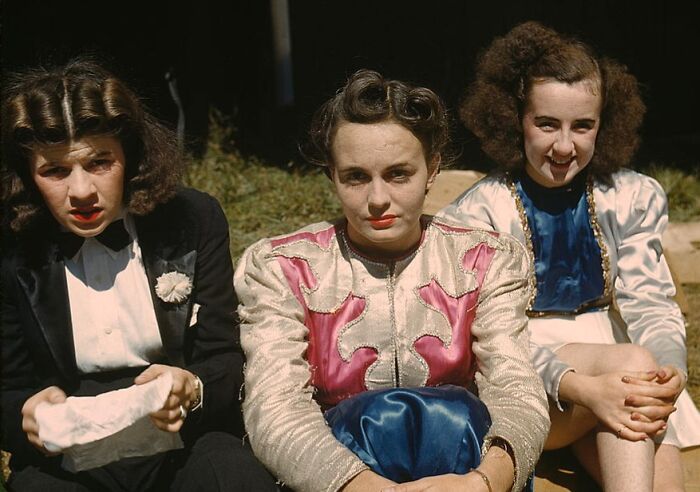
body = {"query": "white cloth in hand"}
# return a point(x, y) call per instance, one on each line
point(92, 431)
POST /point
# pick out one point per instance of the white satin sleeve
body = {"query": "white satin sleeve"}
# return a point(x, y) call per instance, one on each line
point(286, 427)
point(643, 286)
point(489, 204)
point(508, 384)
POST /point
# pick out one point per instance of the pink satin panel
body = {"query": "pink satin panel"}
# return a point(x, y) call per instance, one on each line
point(322, 238)
point(333, 378)
point(454, 365)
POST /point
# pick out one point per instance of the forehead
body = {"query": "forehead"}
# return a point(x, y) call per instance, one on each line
point(360, 144)
point(76, 150)
point(562, 100)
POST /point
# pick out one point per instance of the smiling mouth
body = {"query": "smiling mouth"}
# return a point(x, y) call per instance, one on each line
point(86, 215)
point(383, 222)
point(565, 162)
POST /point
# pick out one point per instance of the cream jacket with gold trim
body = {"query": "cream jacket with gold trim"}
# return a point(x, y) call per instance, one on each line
point(631, 213)
point(320, 323)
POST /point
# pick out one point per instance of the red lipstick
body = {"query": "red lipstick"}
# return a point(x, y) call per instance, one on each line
point(86, 215)
point(383, 222)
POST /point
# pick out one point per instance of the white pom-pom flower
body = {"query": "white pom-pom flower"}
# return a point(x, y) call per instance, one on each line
point(173, 287)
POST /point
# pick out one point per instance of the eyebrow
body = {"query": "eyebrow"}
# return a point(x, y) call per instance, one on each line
point(99, 153)
point(578, 120)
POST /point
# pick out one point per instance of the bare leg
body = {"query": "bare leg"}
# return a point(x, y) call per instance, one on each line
point(668, 470)
point(624, 465)
point(586, 452)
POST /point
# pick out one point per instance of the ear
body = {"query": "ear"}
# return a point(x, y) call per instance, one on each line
point(433, 171)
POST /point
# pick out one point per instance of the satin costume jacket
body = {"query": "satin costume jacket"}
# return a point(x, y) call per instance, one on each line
point(631, 215)
point(321, 322)
point(189, 234)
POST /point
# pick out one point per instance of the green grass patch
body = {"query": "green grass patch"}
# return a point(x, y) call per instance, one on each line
point(261, 200)
point(683, 190)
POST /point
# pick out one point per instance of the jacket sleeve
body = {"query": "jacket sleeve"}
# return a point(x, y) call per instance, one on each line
point(644, 287)
point(507, 381)
point(285, 425)
point(212, 343)
point(19, 379)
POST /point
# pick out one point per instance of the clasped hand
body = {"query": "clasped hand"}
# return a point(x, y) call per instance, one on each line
point(636, 405)
point(169, 417)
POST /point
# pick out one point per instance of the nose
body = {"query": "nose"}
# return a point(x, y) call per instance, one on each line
point(564, 144)
point(80, 185)
point(378, 198)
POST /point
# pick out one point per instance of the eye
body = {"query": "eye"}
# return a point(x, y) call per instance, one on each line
point(583, 126)
point(53, 172)
point(546, 125)
point(354, 177)
point(399, 175)
point(99, 164)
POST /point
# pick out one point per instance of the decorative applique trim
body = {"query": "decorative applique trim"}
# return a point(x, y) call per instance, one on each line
point(173, 287)
point(595, 225)
point(532, 281)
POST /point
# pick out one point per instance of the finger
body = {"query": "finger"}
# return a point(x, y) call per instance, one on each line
point(56, 395)
point(653, 391)
point(168, 414)
point(167, 426)
point(151, 373)
point(406, 487)
point(652, 413)
point(648, 428)
point(645, 376)
point(625, 432)
point(646, 401)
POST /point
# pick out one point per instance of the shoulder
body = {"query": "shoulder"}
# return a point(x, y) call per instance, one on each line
point(493, 186)
point(317, 236)
point(634, 191)
point(458, 236)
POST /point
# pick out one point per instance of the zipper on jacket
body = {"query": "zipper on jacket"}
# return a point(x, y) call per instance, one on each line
point(392, 317)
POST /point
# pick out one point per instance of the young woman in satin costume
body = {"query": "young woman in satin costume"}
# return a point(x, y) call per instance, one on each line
point(362, 334)
point(609, 341)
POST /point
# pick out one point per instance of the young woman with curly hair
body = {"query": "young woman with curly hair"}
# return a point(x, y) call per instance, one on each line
point(608, 340)
point(113, 275)
point(363, 334)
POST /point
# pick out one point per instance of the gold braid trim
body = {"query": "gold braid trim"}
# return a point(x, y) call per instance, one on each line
point(604, 257)
point(528, 240)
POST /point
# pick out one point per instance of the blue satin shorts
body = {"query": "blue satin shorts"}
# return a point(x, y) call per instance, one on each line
point(405, 434)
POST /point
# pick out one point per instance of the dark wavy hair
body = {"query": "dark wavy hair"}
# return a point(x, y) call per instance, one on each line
point(81, 98)
point(494, 102)
point(367, 97)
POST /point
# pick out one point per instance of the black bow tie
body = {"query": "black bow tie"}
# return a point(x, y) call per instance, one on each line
point(114, 237)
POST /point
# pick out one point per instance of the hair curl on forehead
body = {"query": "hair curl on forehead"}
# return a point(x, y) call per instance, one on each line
point(366, 98)
point(493, 105)
point(58, 105)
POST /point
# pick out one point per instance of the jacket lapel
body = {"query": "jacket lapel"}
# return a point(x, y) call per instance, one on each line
point(172, 317)
point(47, 293)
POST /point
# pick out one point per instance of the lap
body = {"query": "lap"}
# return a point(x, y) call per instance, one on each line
point(215, 461)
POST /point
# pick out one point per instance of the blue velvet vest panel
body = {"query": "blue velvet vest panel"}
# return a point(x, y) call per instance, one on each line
point(567, 256)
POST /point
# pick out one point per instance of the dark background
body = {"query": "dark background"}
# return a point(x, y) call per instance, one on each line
point(222, 57)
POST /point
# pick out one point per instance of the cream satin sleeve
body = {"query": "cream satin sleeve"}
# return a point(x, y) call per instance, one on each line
point(643, 286)
point(508, 383)
point(285, 426)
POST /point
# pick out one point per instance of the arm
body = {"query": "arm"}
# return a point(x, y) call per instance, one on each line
point(644, 287)
point(286, 427)
point(508, 384)
point(21, 388)
point(211, 345)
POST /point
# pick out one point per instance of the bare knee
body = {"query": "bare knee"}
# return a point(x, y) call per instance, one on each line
point(636, 358)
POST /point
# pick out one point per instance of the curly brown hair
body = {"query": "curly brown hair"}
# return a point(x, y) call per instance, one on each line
point(81, 98)
point(494, 102)
point(368, 97)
